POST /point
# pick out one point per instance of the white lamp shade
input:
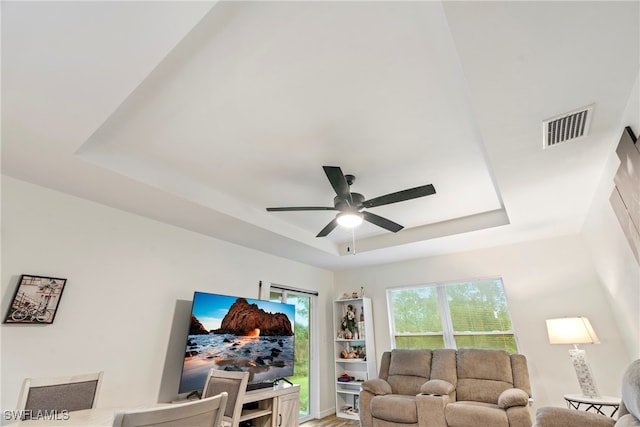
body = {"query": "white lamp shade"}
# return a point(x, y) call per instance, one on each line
point(571, 330)
point(349, 219)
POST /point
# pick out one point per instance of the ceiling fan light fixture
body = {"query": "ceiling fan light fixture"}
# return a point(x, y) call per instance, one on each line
point(349, 204)
point(349, 219)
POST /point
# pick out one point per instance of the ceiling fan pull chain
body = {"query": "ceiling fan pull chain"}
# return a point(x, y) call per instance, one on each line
point(353, 240)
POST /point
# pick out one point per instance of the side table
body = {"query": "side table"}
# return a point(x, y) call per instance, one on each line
point(603, 405)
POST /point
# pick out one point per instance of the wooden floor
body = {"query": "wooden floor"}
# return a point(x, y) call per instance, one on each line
point(331, 421)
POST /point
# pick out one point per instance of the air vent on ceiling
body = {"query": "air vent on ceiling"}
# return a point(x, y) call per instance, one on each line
point(567, 127)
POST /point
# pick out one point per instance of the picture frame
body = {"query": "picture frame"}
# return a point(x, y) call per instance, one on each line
point(35, 300)
point(625, 197)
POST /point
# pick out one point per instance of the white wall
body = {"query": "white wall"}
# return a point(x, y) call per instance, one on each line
point(542, 279)
point(130, 281)
point(610, 251)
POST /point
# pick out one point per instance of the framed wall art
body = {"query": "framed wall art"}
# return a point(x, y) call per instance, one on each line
point(36, 299)
point(625, 197)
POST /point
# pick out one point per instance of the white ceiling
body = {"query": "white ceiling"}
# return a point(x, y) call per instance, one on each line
point(203, 114)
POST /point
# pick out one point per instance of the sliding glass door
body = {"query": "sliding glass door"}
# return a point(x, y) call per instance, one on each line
point(302, 331)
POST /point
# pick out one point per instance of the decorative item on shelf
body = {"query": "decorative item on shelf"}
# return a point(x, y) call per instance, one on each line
point(362, 352)
point(576, 330)
point(346, 378)
point(347, 409)
point(357, 352)
point(353, 353)
point(361, 291)
point(349, 322)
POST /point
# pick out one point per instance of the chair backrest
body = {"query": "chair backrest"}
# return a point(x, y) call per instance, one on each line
point(70, 393)
point(194, 413)
point(234, 383)
point(406, 370)
point(484, 374)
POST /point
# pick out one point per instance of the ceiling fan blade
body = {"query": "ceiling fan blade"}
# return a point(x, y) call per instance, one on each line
point(301, 208)
point(400, 196)
point(328, 228)
point(338, 182)
point(381, 222)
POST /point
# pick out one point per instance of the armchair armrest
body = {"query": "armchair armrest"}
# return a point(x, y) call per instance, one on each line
point(513, 397)
point(431, 409)
point(564, 417)
point(377, 386)
point(438, 387)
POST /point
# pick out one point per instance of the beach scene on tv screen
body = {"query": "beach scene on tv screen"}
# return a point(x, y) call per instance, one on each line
point(233, 333)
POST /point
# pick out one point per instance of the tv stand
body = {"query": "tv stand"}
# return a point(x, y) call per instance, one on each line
point(271, 407)
point(267, 384)
point(259, 386)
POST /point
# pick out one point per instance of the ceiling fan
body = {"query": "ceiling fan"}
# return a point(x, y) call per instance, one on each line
point(351, 205)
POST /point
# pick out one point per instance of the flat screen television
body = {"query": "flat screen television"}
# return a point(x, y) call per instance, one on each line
point(235, 333)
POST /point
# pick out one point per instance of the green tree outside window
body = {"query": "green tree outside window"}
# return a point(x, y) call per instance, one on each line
point(454, 315)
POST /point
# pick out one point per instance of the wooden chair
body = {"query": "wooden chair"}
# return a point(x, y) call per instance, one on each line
point(195, 413)
point(234, 383)
point(70, 393)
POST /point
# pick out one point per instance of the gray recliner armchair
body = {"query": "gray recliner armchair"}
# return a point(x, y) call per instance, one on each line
point(628, 414)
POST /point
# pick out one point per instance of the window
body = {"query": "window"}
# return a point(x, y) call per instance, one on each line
point(452, 315)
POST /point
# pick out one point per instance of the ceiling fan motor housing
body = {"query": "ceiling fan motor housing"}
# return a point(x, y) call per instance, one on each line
point(355, 203)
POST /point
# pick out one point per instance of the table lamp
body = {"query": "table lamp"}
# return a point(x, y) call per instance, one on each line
point(576, 330)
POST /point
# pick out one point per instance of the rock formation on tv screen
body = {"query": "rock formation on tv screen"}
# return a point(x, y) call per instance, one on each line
point(197, 328)
point(248, 319)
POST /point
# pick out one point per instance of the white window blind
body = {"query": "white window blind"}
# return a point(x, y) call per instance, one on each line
point(452, 315)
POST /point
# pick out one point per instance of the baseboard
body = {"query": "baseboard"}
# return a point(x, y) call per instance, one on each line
point(325, 413)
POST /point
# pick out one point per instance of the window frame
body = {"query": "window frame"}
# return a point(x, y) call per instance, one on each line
point(448, 333)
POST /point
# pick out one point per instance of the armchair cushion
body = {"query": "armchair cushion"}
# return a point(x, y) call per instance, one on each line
point(483, 375)
point(513, 397)
point(437, 387)
point(395, 408)
point(465, 414)
point(563, 417)
point(377, 386)
point(408, 370)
